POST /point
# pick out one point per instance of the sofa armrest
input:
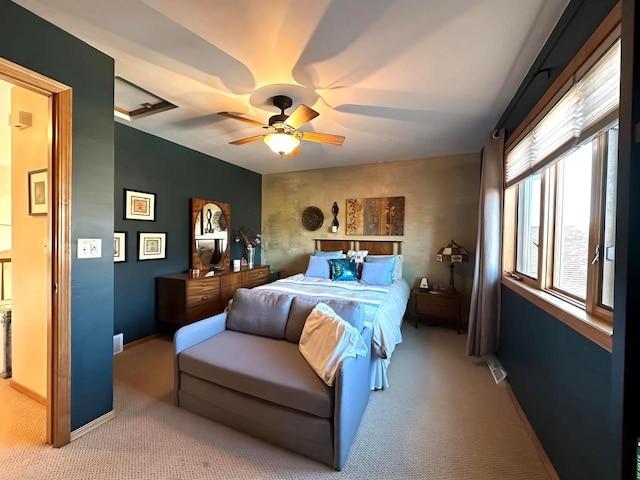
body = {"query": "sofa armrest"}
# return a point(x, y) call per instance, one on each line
point(188, 336)
point(351, 398)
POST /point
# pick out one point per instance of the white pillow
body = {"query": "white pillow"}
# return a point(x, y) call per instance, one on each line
point(327, 340)
point(358, 255)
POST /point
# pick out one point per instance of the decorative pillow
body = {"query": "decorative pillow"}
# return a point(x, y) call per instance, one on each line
point(377, 273)
point(397, 269)
point(336, 254)
point(343, 269)
point(358, 255)
point(259, 312)
point(318, 267)
point(327, 340)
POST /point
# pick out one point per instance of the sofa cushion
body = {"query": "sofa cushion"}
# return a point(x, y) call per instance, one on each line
point(301, 308)
point(259, 312)
point(270, 369)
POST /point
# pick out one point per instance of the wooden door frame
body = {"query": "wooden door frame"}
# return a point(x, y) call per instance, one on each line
point(59, 261)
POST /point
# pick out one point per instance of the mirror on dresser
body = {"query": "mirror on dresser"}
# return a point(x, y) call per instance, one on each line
point(210, 229)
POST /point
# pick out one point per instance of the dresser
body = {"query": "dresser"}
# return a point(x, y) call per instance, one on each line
point(183, 298)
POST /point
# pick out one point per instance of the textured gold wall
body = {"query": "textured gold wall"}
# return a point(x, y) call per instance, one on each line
point(441, 203)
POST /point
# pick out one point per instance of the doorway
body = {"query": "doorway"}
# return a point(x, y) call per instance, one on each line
point(58, 302)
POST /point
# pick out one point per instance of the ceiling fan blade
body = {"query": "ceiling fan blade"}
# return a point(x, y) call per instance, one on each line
point(295, 152)
point(242, 119)
point(242, 141)
point(301, 115)
point(323, 138)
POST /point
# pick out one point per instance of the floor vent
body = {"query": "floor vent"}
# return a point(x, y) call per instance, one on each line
point(117, 343)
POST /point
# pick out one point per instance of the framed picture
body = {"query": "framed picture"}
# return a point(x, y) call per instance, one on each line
point(38, 192)
point(120, 246)
point(152, 246)
point(139, 205)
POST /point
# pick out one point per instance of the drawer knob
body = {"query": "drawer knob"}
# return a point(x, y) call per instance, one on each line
point(204, 297)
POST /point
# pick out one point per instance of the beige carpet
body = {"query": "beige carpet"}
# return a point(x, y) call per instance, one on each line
point(442, 418)
point(22, 419)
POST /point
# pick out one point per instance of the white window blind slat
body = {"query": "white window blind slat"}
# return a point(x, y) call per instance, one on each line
point(586, 104)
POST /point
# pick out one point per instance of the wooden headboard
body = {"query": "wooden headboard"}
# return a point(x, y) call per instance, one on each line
point(375, 247)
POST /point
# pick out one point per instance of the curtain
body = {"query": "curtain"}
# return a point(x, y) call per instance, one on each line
point(484, 312)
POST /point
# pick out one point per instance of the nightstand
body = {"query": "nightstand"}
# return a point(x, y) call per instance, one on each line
point(436, 307)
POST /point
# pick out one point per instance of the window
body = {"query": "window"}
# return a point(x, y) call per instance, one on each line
point(561, 177)
point(528, 226)
point(571, 225)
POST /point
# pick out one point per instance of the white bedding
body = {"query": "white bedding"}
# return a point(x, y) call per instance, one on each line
point(383, 309)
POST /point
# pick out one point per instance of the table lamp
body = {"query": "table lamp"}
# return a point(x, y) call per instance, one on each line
point(452, 253)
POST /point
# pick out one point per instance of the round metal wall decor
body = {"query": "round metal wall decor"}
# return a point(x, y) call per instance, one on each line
point(312, 218)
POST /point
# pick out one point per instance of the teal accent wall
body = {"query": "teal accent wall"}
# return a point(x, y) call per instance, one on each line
point(563, 382)
point(175, 174)
point(28, 40)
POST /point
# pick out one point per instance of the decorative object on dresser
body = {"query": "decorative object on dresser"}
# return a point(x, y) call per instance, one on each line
point(188, 297)
point(335, 224)
point(139, 205)
point(424, 283)
point(210, 227)
point(250, 241)
point(375, 216)
point(437, 306)
point(312, 218)
point(120, 246)
point(152, 246)
point(452, 253)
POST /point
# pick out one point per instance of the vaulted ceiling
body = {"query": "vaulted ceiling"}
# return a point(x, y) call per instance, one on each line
point(400, 79)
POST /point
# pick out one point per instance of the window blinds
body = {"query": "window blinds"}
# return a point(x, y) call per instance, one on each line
point(583, 111)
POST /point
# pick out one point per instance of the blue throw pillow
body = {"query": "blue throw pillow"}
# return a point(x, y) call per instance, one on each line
point(318, 267)
point(343, 269)
point(377, 273)
point(336, 254)
point(397, 267)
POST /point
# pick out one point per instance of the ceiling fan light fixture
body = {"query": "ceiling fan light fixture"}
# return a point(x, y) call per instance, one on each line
point(281, 143)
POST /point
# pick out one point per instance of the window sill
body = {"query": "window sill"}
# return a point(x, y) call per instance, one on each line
point(593, 328)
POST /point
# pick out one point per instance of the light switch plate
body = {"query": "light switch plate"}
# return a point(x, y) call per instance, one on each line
point(89, 248)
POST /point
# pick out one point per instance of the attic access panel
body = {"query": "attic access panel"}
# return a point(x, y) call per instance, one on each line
point(132, 101)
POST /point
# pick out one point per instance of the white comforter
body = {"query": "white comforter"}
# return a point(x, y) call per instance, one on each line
point(383, 307)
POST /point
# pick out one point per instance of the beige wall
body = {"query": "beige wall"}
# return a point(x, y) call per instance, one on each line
point(441, 203)
point(29, 150)
point(5, 167)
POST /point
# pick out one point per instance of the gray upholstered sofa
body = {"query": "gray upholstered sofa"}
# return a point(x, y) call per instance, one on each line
point(243, 368)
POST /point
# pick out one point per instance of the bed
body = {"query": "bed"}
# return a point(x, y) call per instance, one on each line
point(383, 307)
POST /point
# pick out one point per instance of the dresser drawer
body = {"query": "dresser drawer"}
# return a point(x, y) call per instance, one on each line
point(258, 277)
point(443, 306)
point(232, 280)
point(203, 298)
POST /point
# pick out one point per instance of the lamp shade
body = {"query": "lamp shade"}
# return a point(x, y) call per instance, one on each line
point(281, 143)
point(453, 253)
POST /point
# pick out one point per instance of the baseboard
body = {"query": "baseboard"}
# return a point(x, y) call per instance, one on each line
point(532, 434)
point(135, 343)
point(28, 392)
point(78, 432)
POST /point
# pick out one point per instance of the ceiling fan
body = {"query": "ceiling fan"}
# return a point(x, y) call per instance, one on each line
point(284, 137)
